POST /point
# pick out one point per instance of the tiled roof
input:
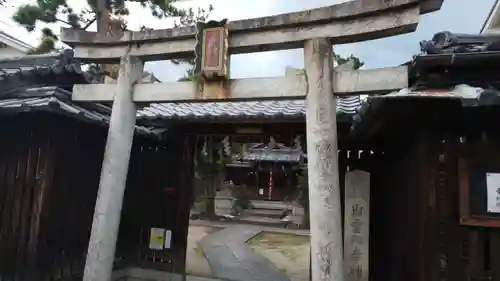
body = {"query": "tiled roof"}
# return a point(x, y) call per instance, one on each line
point(237, 110)
point(41, 83)
point(40, 70)
point(446, 42)
point(56, 100)
point(459, 96)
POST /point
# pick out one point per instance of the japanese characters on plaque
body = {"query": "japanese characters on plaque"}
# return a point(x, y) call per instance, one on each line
point(211, 50)
point(356, 225)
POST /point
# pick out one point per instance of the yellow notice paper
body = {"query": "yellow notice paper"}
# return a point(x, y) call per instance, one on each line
point(157, 238)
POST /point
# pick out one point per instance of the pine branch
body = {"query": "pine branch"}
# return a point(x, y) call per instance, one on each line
point(89, 23)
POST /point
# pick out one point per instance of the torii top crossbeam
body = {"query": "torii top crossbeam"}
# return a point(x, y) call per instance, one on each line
point(351, 21)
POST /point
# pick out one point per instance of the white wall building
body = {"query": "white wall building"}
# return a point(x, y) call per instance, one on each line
point(492, 23)
point(12, 47)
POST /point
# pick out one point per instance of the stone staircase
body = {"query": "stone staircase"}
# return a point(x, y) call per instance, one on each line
point(264, 213)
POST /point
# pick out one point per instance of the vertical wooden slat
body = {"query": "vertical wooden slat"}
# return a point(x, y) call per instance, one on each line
point(4, 160)
point(449, 208)
point(475, 253)
point(28, 203)
point(19, 197)
point(495, 254)
point(6, 231)
point(186, 188)
point(127, 239)
point(428, 162)
point(43, 186)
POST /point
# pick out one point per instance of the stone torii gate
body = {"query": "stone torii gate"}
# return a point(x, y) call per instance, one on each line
point(314, 30)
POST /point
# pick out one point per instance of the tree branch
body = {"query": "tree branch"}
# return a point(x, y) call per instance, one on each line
point(89, 23)
point(63, 21)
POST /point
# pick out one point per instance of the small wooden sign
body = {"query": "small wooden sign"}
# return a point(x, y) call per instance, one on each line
point(212, 57)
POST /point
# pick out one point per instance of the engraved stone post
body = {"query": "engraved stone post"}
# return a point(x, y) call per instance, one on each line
point(324, 193)
point(102, 244)
point(357, 225)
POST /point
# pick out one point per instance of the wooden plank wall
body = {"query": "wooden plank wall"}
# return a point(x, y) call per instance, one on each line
point(427, 241)
point(49, 176)
point(159, 188)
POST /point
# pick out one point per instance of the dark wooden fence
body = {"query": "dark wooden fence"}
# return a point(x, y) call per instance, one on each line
point(415, 221)
point(49, 176)
point(159, 190)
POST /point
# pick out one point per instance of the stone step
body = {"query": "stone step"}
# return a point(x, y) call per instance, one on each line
point(269, 213)
point(270, 205)
point(276, 222)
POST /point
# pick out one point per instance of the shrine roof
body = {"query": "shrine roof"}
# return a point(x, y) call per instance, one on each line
point(239, 110)
point(43, 83)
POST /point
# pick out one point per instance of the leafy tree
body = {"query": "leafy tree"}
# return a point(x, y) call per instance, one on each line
point(47, 43)
point(109, 19)
point(341, 60)
point(52, 11)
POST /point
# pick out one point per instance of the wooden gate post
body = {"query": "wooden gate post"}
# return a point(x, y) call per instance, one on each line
point(324, 193)
point(102, 244)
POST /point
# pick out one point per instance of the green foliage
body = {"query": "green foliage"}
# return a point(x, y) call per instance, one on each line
point(189, 76)
point(303, 195)
point(302, 189)
point(210, 167)
point(341, 60)
point(51, 11)
point(47, 43)
point(241, 200)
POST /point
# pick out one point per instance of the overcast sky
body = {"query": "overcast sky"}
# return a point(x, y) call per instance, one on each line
point(459, 16)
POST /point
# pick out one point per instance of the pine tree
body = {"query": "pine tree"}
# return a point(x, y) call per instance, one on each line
point(108, 18)
point(52, 11)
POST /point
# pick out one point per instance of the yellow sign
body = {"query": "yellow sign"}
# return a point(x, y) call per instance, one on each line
point(157, 238)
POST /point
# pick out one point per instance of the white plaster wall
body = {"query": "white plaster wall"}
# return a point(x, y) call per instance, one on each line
point(10, 52)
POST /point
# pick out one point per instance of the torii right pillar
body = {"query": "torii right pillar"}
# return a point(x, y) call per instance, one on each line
point(322, 156)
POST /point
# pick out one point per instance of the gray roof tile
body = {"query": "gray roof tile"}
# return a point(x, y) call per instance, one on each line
point(57, 100)
point(237, 110)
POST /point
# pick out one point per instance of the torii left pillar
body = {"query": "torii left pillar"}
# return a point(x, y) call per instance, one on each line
point(322, 164)
point(108, 208)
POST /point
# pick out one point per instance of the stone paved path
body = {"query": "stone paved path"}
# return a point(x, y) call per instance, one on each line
point(224, 224)
point(231, 259)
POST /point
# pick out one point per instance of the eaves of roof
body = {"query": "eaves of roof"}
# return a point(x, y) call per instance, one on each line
point(58, 101)
point(460, 95)
point(226, 111)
